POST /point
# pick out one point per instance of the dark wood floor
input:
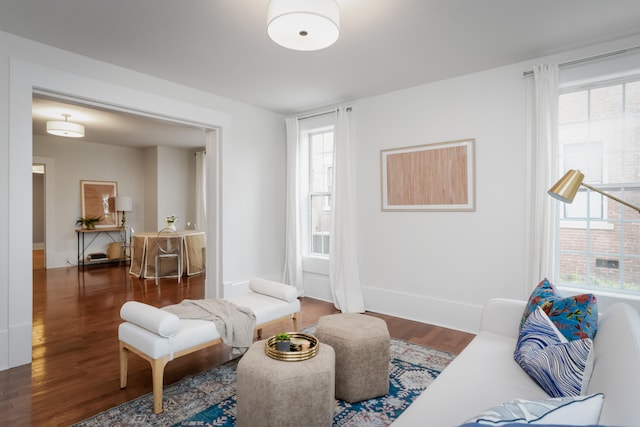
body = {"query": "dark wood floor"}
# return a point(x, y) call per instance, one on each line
point(38, 259)
point(74, 373)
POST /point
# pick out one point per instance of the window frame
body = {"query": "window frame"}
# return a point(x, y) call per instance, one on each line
point(311, 262)
point(591, 279)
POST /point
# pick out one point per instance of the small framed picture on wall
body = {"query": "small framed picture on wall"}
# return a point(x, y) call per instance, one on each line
point(98, 200)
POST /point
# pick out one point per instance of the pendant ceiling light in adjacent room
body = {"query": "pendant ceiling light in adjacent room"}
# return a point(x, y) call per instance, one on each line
point(303, 24)
point(66, 128)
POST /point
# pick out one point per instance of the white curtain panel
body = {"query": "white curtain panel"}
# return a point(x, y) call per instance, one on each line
point(542, 172)
point(292, 274)
point(344, 275)
point(201, 190)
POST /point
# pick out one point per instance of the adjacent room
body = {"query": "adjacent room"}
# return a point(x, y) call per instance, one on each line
point(320, 213)
point(148, 165)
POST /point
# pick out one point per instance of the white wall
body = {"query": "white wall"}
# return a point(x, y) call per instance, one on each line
point(150, 198)
point(176, 181)
point(441, 267)
point(38, 211)
point(252, 209)
point(249, 198)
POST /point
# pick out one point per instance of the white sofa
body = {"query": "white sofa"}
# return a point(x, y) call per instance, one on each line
point(159, 336)
point(485, 374)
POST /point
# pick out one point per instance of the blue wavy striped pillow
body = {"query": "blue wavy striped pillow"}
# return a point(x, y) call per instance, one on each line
point(562, 368)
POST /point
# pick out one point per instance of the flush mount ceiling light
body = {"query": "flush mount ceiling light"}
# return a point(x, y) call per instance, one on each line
point(303, 24)
point(68, 129)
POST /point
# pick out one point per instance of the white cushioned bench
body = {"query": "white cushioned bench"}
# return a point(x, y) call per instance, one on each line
point(159, 336)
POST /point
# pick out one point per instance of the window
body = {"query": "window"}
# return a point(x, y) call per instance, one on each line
point(320, 187)
point(588, 158)
point(598, 239)
point(316, 186)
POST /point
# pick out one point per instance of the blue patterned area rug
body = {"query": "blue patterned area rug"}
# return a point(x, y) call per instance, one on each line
point(209, 398)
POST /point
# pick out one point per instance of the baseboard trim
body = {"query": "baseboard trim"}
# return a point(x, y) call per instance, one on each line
point(434, 311)
point(19, 344)
point(4, 350)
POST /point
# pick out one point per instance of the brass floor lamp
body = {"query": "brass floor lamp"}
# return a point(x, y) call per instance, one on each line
point(566, 188)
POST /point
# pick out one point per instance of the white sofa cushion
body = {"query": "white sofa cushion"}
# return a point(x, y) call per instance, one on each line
point(573, 410)
point(274, 289)
point(482, 376)
point(150, 318)
point(265, 307)
point(616, 372)
point(192, 332)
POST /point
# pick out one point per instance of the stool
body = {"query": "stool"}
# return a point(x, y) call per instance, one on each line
point(362, 346)
point(280, 393)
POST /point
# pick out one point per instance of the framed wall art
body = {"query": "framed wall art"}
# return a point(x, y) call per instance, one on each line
point(430, 177)
point(98, 200)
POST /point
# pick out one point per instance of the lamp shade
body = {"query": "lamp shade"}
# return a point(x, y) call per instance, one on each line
point(566, 188)
point(303, 24)
point(124, 204)
point(66, 128)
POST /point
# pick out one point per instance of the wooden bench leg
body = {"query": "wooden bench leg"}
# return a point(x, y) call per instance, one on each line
point(157, 374)
point(296, 321)
point(124, 356)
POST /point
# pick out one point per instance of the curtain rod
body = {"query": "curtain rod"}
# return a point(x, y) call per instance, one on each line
point(318, 115)
point(591, 58)
point(322, 114)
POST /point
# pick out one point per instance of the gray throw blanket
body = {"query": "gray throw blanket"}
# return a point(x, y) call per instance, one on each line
point(235, 324)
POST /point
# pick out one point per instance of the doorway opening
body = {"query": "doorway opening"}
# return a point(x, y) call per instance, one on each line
point(37, 77)
point(39, 214)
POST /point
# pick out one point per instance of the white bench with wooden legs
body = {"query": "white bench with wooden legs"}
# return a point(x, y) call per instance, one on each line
point(159, 336)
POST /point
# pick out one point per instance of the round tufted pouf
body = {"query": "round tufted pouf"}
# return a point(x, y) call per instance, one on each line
point(361, 344)
point(279, 393)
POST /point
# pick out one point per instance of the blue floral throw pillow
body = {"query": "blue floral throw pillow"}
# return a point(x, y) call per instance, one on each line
point(562, 368)
point(575, 316)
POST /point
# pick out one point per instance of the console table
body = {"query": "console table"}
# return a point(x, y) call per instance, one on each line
point(93, 235)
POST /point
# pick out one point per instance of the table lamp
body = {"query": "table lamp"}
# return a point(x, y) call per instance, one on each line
point(124, 204)
point(566, 188)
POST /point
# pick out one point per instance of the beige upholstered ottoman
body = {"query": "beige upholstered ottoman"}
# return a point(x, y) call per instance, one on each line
point(284, 393)
point(362, 351)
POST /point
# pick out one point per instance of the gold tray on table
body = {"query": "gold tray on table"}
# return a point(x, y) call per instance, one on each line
point(295, 354)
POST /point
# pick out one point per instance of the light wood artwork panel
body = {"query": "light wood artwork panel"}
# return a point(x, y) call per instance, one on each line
point(98, 199)
point(429, 177)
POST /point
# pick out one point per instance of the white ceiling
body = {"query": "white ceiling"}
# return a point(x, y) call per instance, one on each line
point(221, 46)
point(115, 127)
